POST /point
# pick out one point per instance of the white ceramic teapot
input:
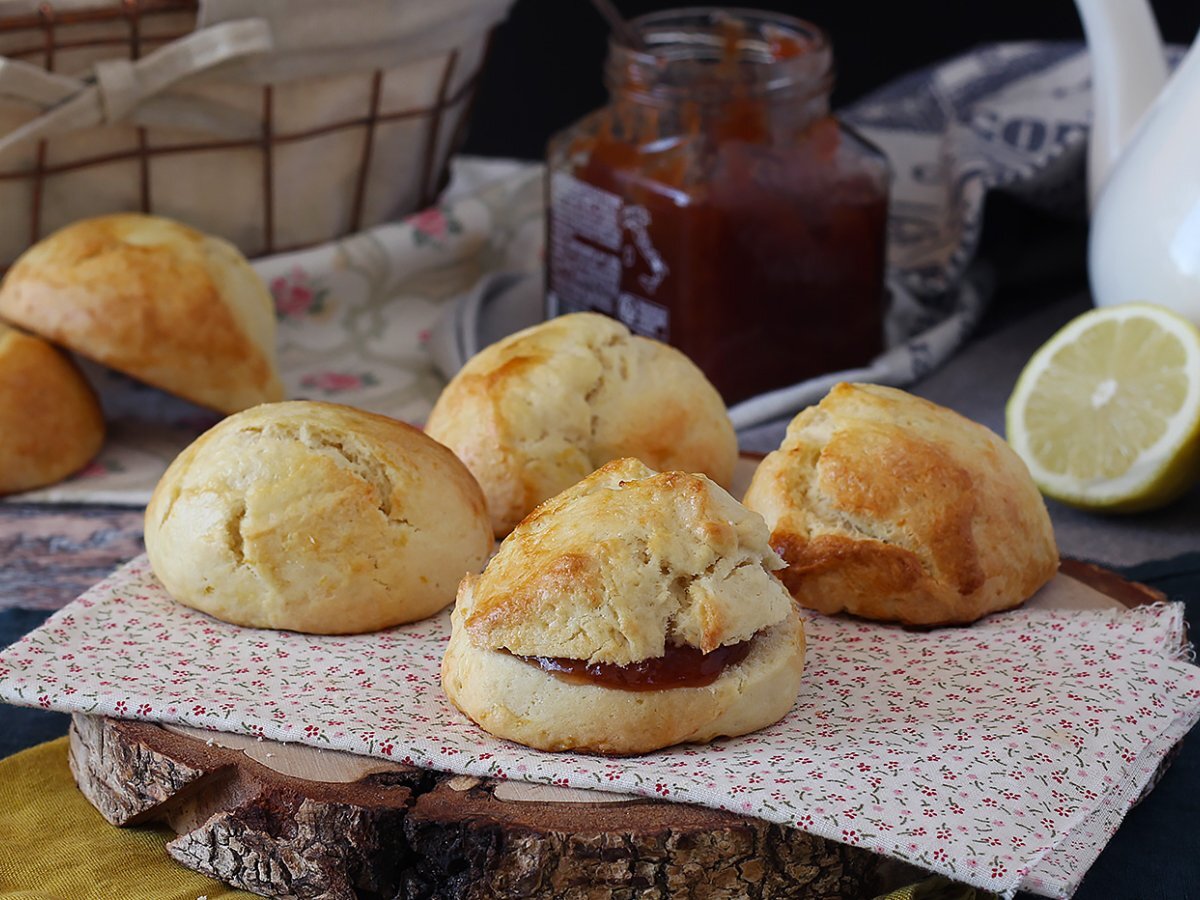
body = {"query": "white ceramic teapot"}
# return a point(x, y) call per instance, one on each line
point(1143, 162)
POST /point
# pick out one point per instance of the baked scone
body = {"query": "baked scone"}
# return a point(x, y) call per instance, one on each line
point(154, 299)
point(890, 507)
point(316, 517)
point(537, 411)
point(571, 637)
point(50, 420)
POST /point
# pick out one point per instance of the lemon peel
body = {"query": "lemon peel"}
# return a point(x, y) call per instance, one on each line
point(1106, 413)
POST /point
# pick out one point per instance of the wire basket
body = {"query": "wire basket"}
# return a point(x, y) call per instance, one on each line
point(276, 124)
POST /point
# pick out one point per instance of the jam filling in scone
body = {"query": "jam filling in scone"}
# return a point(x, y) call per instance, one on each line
point(633, 611)
point(679, 666)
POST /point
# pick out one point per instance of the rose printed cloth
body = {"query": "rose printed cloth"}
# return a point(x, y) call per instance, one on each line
point(1003, 755)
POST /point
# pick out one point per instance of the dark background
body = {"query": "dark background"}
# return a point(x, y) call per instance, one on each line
point(544, 70)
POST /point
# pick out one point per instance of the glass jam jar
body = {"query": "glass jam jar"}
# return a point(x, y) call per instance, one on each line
point(716, 204)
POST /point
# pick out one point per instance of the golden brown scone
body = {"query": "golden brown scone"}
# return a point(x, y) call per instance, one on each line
point(50, 420)
point(316, 517)
point(154, 299)
point(621, 570)
point(537, 411)
point(890, 507)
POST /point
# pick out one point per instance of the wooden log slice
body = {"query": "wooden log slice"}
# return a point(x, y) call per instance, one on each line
point(1128, 593)
point(248, 825)
point(474, 839)
point(285, 820)
point(387, 830)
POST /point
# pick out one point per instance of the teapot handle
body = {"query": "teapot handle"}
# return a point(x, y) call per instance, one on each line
point(1129, 70)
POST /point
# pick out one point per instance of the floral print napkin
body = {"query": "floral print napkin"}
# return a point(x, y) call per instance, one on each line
point(1004, 755)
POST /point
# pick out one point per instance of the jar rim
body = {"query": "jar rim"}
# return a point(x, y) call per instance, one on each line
point(709, 34)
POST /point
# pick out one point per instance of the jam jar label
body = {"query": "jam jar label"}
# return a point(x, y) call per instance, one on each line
point(596, 241)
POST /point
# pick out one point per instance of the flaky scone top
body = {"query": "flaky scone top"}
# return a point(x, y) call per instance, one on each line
point(891, 507)
point(540, 409)
point(155, 299)
point(625, 562)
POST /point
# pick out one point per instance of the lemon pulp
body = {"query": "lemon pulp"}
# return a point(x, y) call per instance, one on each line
point(1106, 414)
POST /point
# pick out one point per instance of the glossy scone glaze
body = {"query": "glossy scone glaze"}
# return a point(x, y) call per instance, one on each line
point(537, 411)
point(50, 419)
point(890, 507)
point(614, 570)
point(154, 299)
point(318, 518)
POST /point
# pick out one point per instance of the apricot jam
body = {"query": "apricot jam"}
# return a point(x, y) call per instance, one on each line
point(715, 204)
point(677, 667)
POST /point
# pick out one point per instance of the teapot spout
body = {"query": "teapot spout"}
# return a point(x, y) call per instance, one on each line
point(1129, 70)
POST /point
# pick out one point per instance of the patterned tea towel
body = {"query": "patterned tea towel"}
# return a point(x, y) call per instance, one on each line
point(357, 317)
point(1004, 754)
point(1010, 117)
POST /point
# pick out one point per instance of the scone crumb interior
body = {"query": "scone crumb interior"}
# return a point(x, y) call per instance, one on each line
point(632, 611)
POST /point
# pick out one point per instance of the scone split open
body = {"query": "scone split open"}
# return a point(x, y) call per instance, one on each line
point(633, 611)
point(679, 666)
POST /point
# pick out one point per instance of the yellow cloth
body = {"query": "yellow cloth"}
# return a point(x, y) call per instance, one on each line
point(53, 845)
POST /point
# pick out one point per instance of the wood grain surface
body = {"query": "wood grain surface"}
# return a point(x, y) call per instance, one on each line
point(49, 555)
point(403, 832)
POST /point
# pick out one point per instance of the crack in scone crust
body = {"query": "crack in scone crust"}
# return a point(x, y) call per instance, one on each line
point(624, 564)
point(318, 518)
point(890, 507)
point(541, 409)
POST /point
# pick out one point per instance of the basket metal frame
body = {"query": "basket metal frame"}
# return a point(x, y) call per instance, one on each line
point(51, 28)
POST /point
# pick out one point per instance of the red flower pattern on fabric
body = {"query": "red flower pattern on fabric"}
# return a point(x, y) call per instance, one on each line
point(945, 785)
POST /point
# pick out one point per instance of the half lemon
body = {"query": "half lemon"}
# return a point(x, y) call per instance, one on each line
point(1106, 414)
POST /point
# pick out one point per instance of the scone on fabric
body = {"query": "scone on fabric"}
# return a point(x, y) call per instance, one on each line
point(532, 414)
point(318, 518)
point(624, 573)
point(893, 508)
point(50, 419)
point(154, 299)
